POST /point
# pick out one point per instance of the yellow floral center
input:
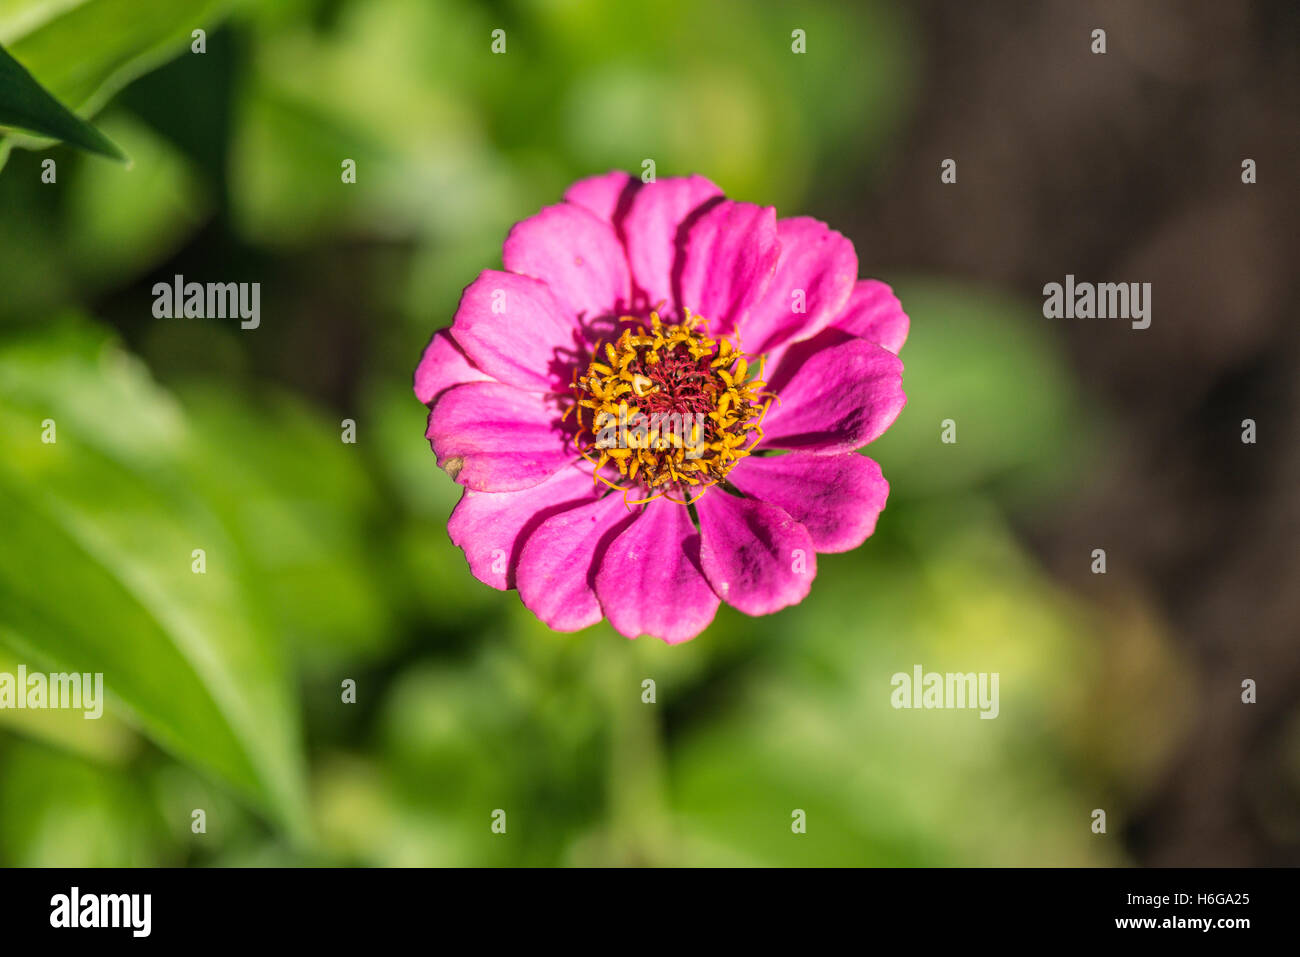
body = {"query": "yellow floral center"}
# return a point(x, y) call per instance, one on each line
point(670, 407)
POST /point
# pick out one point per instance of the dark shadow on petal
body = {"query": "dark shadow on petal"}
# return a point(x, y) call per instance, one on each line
point(517, 548)
point(679, 244)
point(624, 204)
point(602, 546)
point(799, 353)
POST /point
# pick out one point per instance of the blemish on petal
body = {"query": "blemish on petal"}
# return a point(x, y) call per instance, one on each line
point(453, 466)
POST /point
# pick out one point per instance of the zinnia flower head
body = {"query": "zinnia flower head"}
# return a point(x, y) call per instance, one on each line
point(656, 407)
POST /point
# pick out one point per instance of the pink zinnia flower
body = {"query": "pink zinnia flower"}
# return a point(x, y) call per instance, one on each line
point(764, 359)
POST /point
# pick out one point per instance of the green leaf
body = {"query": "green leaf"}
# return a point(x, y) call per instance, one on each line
point(25, 104)
point(84, 51)
point(97, 570)
point(301, 506)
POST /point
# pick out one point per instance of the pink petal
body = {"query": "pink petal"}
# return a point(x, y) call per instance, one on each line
point(836, 497)
point(757, 558)
point(577, 254)
point(557, 566)
point(837, 398)
point(816, 261)
point(649, 580)
point(491, 527)
point(442, 366)
point(495, 438)
point(603, 194)
point(730, 253)
point(875, 314)
point(650, 229)
point(512, 328)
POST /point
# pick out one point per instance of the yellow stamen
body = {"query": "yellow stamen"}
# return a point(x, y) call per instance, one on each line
point(697, 413)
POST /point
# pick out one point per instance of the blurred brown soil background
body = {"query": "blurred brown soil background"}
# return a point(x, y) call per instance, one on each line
point(1127, 168)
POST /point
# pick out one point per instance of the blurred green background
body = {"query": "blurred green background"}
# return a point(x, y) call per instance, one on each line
point(329, 561)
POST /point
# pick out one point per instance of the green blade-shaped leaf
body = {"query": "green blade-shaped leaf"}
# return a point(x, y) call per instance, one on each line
point(96, 570)
point(27, 105)
point(85, 51)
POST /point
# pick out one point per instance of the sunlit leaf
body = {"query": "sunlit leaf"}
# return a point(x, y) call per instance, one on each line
point(97, 573)
point(25, 104)
point(83, 51)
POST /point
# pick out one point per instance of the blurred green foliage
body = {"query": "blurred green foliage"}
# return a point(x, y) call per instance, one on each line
point(327, 561)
